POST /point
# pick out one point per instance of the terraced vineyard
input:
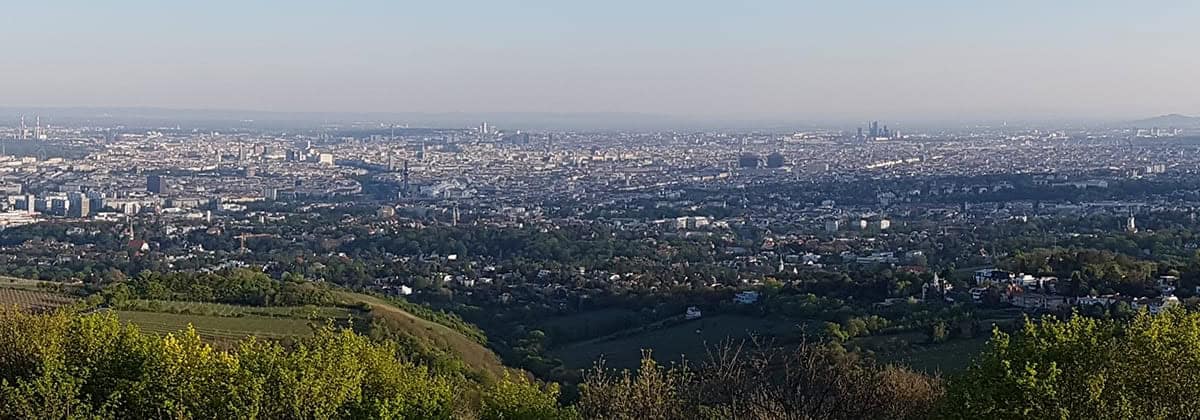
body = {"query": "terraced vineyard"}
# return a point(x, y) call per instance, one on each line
point(218, 328)
point(33, 300)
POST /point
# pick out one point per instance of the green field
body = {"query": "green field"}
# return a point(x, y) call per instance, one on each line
point(596, 316)
point(225, 323)
point(20, 283)
point(588, 325)
point(914, 350)
point(949, 357)
point(689, 339)
point(218, 328)
point(227, 310)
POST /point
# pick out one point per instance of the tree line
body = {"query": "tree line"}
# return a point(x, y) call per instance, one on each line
point(73, 366)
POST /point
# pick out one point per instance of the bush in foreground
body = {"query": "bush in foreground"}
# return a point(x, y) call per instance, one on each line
point(1086, 368)
point(69, 366)
point(95, 367)
point(804, 382)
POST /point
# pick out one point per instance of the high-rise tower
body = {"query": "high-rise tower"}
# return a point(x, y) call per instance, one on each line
point(404, 189)
point(155, 184)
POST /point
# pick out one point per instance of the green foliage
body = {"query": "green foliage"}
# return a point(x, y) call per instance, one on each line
point(654, 391)
point(1087, 269)
point(448, 319)
point(938, 333)
point(94, 366)
point(239, 286)
point(1086, 368)
point(834, 331)
point(573, 245)
point(518, 398)
point(806, 382)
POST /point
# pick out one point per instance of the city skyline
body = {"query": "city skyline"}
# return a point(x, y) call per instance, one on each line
point(805, 61)
point(560, 210)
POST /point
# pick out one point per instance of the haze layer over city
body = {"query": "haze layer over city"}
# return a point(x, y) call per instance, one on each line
point(561, 210)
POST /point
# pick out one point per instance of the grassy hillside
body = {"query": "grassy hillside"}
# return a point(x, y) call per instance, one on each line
point(230, 323)
point(475, 355)
point(223, 323)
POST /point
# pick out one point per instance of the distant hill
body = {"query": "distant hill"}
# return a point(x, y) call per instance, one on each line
point(1169, 120)
point(222, 120)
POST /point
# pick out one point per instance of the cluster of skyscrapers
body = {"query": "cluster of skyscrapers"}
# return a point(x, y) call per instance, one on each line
point(875, 132)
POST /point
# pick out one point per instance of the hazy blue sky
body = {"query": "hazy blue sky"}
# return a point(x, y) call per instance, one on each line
point(808, 60)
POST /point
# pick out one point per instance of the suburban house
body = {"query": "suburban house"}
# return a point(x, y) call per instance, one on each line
point(1038, 301)
point(1155, 305)
point(746, 297)
point(992, 275)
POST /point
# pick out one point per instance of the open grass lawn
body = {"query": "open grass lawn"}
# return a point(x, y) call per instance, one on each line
point(950, 357)
point(689, 339)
